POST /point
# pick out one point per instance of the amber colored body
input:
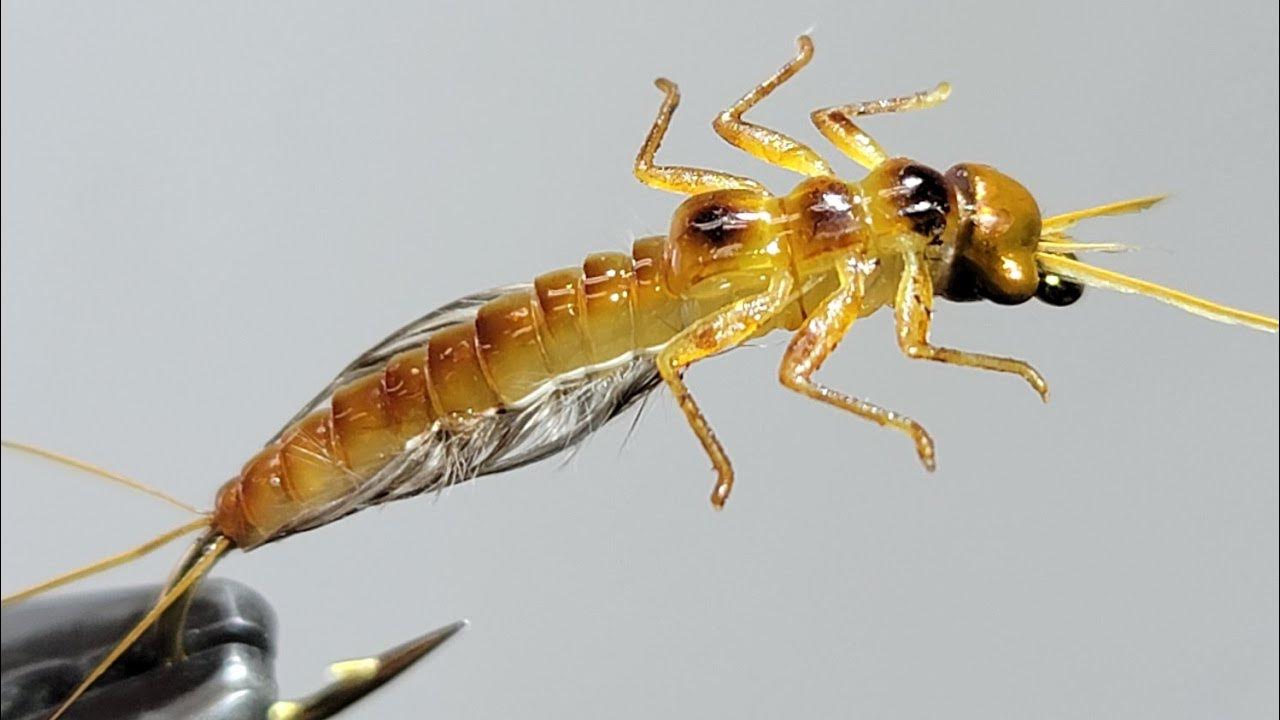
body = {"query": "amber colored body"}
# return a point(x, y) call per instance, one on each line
point(738, 262)
point(614, 306)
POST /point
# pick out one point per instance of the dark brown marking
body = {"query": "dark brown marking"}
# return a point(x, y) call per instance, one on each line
point(718, 224)
point(829, 211)
point(923, 199)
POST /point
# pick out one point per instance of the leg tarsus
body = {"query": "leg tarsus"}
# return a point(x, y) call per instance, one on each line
point(876, 414)
point(995, 363)
point(764, 143)
point(837, 123)
point(706, 436)
point(677, 178)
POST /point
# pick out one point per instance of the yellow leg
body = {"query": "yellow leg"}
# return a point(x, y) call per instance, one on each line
point(768, 145)
point(913, 311)
point(674, 178)
point(837, 125)
point(815, 342)
point(708, 336)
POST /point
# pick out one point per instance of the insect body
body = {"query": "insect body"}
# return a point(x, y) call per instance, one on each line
point(504, 378)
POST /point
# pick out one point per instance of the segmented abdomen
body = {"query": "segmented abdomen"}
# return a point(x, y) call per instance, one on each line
point(517, 343)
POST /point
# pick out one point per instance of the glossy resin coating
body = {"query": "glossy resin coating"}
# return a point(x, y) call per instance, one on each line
point(723, 245)
point(737, 262)
point(505, 378)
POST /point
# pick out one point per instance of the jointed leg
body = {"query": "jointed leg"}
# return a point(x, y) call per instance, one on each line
point(815, 342)
point(672, 178)
point(914, 312)
point(837, 125)
point(709, 336)
point(768, 145)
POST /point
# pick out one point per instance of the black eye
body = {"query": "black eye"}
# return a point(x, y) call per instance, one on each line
point(1058, 291)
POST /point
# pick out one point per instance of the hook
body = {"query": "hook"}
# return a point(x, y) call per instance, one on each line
point(353, 679)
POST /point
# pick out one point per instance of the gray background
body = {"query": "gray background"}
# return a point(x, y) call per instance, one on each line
point(208, 209)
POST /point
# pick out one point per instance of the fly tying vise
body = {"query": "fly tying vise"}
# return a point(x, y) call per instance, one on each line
point(507, 377)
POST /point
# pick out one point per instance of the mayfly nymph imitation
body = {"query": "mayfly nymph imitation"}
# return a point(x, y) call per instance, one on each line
point(503, 378)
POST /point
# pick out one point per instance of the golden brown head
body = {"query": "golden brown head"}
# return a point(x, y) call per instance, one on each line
point(994, 251)
point(1004, 251)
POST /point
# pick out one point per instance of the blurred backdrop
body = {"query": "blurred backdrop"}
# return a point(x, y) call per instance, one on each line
point(208, 209)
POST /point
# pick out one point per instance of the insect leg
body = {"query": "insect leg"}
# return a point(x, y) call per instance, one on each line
point(710, 335)
point(768, 145)
point(913, 312)
point(674, 178)
point(837, 125)
point(817, 339)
